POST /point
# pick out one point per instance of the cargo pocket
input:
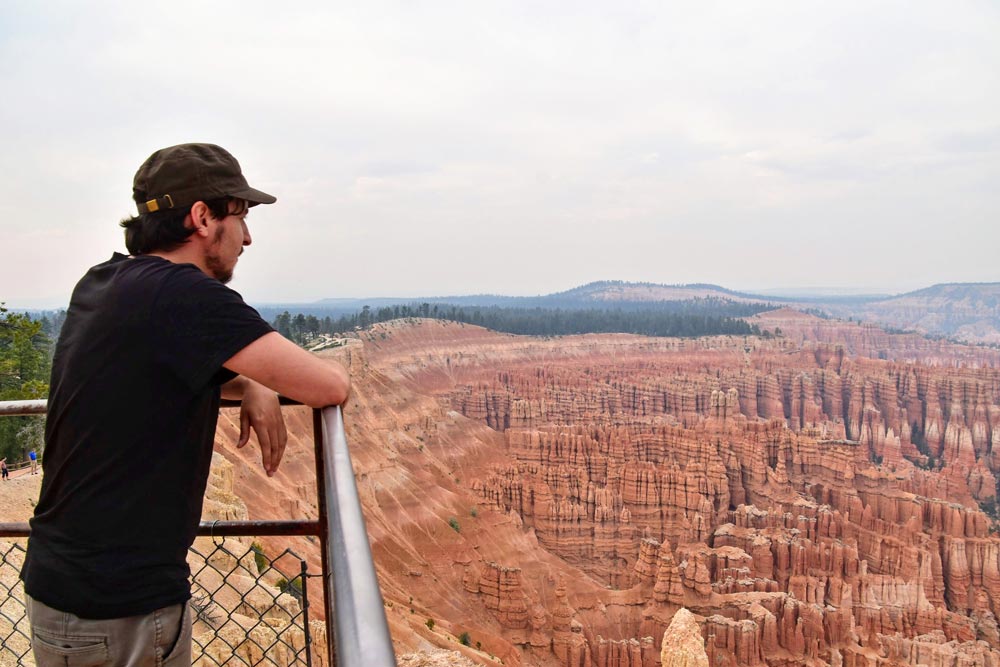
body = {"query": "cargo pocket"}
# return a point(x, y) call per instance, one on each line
point(69, 650)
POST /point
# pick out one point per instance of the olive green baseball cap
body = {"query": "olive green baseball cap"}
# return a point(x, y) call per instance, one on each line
point(179, 176)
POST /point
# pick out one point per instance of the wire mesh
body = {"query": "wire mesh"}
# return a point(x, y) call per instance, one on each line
point(248, 609)
point(15, 637)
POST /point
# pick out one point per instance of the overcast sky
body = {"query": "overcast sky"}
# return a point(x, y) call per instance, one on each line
point(424, 148)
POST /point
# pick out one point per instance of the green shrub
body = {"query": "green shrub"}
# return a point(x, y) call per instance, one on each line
point(258, 557)
point(293, 587)
point(465, 639)
point(453, 522)
point(429, 623)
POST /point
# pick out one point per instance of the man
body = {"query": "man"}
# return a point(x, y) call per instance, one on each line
point(150, 343)
point(34, 461)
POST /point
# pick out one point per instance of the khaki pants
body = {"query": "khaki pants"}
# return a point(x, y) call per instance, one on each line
point(159, 639)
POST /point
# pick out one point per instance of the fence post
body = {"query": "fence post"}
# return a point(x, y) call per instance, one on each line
point(324, 534)
point(305, 612)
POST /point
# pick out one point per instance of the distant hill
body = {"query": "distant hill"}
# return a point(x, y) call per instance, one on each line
point(605, 295)
point(607, 292)
point(972, 293)
point(602, 294)
point(969, 312)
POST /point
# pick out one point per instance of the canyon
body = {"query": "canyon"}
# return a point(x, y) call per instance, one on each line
point(824, 494)
point(821, 495)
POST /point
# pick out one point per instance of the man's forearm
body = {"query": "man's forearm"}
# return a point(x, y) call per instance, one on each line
point(280, 364)
point(235, 388)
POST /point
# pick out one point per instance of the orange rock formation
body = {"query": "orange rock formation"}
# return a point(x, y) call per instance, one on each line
point(812, 498)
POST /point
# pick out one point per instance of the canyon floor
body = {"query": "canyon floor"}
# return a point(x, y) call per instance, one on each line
point(821, 495)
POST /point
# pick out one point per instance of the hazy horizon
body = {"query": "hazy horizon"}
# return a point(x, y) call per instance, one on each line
point(42, 303)
point(791, 292)
point(517, 148)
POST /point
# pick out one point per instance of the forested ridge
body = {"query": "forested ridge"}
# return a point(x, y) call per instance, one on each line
point(698, 317)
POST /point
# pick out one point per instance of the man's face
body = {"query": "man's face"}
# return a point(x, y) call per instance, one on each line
point(231, 235)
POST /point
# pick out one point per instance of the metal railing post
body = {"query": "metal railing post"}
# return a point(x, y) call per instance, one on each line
point(303, 574)
point(324, 535)
point(362, 632)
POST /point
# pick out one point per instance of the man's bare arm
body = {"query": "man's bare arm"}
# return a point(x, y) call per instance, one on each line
point(281, 365)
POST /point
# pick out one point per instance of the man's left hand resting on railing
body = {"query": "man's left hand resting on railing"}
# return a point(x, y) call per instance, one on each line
point(150, 343)
point(260, 412)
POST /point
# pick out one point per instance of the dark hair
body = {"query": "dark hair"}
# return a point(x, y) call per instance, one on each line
point(165, 230)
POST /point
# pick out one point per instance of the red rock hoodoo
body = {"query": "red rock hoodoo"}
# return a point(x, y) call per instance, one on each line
point(822, 497)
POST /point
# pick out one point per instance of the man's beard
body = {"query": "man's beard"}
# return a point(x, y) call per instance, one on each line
point(219, 272)
point(214, 263)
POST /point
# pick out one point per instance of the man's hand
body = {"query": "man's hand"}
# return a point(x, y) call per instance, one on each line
point(261, 412)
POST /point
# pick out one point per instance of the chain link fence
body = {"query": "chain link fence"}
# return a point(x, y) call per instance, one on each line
point(248, 609)
point(15, 642)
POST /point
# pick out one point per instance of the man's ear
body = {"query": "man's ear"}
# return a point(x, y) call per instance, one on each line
point(198, 218)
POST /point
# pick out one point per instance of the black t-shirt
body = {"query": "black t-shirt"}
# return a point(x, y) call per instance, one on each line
point(133, 405)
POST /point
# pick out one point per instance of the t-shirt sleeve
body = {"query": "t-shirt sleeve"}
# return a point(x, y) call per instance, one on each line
point(199, 323)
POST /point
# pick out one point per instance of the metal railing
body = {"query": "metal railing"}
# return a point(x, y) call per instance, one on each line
point(355, 617)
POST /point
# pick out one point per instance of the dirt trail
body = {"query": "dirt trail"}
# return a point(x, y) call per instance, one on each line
point(18, 496)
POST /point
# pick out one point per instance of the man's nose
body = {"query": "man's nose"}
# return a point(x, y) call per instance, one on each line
point(246, 234)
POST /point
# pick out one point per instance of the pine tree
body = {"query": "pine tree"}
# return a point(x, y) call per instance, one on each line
point(25, 364)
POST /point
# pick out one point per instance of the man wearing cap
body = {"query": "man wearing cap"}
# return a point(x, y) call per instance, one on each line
point(150, 343)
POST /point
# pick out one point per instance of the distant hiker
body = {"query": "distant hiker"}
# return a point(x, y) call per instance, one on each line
point(150, 343)
point(34, 461)
point(3, 469)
